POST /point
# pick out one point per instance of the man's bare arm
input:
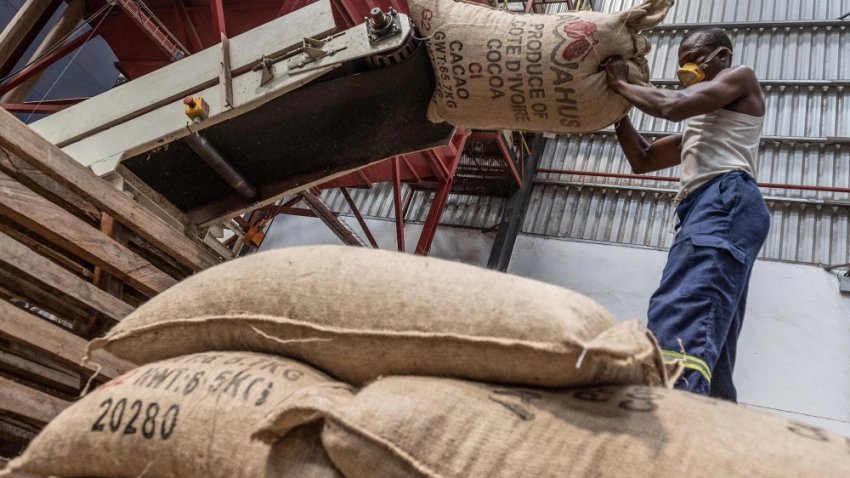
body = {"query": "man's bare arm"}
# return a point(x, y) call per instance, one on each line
point(677, 105)
point(646, 157)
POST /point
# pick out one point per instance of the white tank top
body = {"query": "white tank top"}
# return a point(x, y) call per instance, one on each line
point(717, 143)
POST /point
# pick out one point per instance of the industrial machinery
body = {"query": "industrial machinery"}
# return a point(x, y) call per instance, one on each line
point(266, 114)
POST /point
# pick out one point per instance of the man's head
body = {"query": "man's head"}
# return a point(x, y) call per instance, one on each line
point(698, 46)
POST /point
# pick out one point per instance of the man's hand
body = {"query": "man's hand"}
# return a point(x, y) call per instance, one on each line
point(618, 72)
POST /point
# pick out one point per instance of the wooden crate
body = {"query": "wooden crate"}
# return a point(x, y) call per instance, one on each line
point(76, 256)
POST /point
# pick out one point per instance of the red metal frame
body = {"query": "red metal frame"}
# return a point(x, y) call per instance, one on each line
point(450, 156)
point(42, 107)
point(499, 139)
point(217, 12)
point(428, 170)
point(188, 26)
point(42, 63)
point(359, 217)
point(153, 28)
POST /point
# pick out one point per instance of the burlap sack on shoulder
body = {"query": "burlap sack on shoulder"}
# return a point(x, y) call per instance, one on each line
point(430, 427)
point(359, 314)
point(188, 417)
point(502, 70)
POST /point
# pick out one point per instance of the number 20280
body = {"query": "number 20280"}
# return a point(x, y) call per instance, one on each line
point(141, 418)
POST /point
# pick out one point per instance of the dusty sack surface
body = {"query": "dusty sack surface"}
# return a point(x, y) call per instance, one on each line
point(429, 427)
point(501, 70)
point(186, 417)
point(359, 314)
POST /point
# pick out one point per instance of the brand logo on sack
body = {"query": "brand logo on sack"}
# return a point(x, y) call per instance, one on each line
point(578, 39)
point(425, 19)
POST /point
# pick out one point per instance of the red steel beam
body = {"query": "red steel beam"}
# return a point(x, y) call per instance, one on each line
point(153, 28)
point(508, 157)
point(32, 108)
point(217, 12)
point(289, 6)
point(39, 65)
point(438, 204)
point(796, 187)
point(188, 26)
point(359, 217)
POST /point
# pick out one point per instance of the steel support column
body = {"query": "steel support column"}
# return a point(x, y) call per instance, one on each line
point(339, 228)
point(359, 217)
point(399, 212)
point(514, 211)
point(450, 157)
point(217, 12)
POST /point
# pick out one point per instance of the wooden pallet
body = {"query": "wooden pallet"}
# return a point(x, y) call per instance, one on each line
point(76, 256)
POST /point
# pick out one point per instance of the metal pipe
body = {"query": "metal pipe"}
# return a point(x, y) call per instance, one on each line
point(835, 140)
point(842, 83)
point(672, 192)
point(399, 214)
point(214, 159)
point(795, 187)
point(751, 25)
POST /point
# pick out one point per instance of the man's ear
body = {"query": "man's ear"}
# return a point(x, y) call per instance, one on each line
point(726, 57)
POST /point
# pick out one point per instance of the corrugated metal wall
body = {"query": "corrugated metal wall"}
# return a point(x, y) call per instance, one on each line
point(805, 67)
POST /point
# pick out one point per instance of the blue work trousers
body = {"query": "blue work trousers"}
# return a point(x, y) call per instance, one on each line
point(697, 311)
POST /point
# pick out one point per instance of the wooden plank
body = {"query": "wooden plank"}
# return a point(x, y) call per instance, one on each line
point(40, 246)
point(44, 186)
point(67, 231)
point(38, 373)
point(22, 28)
point(29, 403)
point(38, 152)
point(156, 202)
point(14, 286)
point(68, 376)
point(63, 346)
point(22, 260)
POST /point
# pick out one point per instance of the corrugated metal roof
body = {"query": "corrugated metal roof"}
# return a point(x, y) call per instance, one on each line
point(799, 53)
point(692, 11)
point(802, 115)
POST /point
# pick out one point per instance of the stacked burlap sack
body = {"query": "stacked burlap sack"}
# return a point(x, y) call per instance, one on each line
point(333, 361)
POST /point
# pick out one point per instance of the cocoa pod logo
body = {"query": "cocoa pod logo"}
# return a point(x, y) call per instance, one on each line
point(579, 36)
point(425, 19)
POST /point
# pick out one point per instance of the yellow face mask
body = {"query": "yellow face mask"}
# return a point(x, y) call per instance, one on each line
point(691, 73)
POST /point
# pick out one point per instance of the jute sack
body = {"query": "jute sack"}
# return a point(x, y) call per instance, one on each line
point(501, 70)
point(430, 427)
point(359, 314)
point(186, 417)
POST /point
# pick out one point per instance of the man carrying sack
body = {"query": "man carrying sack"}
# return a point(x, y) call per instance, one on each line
point(698, 309)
